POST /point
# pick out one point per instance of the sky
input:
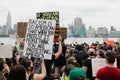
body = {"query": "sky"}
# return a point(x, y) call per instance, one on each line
point(95, 13)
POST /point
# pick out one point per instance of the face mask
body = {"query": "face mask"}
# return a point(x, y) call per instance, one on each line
point(31, 69)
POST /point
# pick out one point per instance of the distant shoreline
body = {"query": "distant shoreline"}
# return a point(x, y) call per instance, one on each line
point(7, 40)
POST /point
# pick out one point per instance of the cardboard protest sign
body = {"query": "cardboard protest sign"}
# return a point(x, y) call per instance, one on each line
point(63, 32)
point(39, 38)
point(97, 64)
point(6, 51)
point(48, 16)
point(21, 29)
point(110, 42)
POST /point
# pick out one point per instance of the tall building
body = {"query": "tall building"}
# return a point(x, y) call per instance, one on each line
point(102, 32)
point(79, 28)
point(114, 33)
point(8, 23)
point(15, 28)
point(70, 30)
point(78, 22)
point(91, 32)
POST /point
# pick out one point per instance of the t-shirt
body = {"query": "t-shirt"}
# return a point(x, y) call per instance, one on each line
point(67, 78)
point(108, 73)
point(80, 57)
point(61, 59)
point(88, 64)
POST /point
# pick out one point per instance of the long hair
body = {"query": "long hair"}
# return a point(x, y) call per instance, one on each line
point(1, 64)
point(26, 63)
point(17, 72)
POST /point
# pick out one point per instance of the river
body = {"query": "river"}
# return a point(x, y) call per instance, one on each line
point(67, 41)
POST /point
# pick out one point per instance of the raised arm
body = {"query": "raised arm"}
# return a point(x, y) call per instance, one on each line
point(43, 72)
point(59, 48)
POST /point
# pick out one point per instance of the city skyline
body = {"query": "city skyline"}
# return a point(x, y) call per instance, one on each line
point(78, 29)
point(96, 13)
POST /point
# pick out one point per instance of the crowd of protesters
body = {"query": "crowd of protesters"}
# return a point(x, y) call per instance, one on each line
point(69, 62)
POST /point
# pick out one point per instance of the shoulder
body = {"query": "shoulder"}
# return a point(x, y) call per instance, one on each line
point(101, 70)
point(117, 70)
point(87, 61)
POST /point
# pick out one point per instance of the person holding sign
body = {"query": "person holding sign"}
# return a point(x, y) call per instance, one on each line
point(48, 63)
point(28, 64)
point(109, 72)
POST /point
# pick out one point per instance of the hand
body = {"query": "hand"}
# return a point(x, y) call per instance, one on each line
point(6, 68)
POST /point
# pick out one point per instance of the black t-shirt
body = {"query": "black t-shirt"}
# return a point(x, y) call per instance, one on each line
point(61, 61)
point(80, 57)
point(88, 64)
point(48, 64)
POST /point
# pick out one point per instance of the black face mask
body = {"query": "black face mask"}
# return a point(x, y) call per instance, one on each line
point(31, 69)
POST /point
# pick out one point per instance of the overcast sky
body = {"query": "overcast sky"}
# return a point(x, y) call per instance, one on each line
point(94, 13)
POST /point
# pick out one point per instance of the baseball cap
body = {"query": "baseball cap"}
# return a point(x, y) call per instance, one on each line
point(77, 72)
point(110, 54)
point(91, 52)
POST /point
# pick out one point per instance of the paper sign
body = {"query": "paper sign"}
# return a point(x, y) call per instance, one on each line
point(97, 64)
point(6, 51)
point(39, 38)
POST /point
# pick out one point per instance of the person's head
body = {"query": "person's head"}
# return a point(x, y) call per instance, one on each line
point(110, 47)
point(27, 63)
point(100, 54)
point(79, 48)
point(116, 44)
point(17, 72)
point(68, 68)
point(91, 52)
point(1, 64)
point(77, 74)
point(73, 61)
point(21, 45)
point(110, 57)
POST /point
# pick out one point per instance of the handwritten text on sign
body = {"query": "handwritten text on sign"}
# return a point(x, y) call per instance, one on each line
point(39, 38)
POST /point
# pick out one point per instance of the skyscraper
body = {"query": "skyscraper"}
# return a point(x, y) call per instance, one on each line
point(79, 28)
point(8, 23)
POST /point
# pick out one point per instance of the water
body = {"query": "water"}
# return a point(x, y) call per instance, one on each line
point(87, 40)
point(67, 41)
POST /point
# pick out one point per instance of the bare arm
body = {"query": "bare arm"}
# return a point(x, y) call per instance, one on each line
point(97, 79)
point(43, 72)
point(17, 59)
point(59, 48)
